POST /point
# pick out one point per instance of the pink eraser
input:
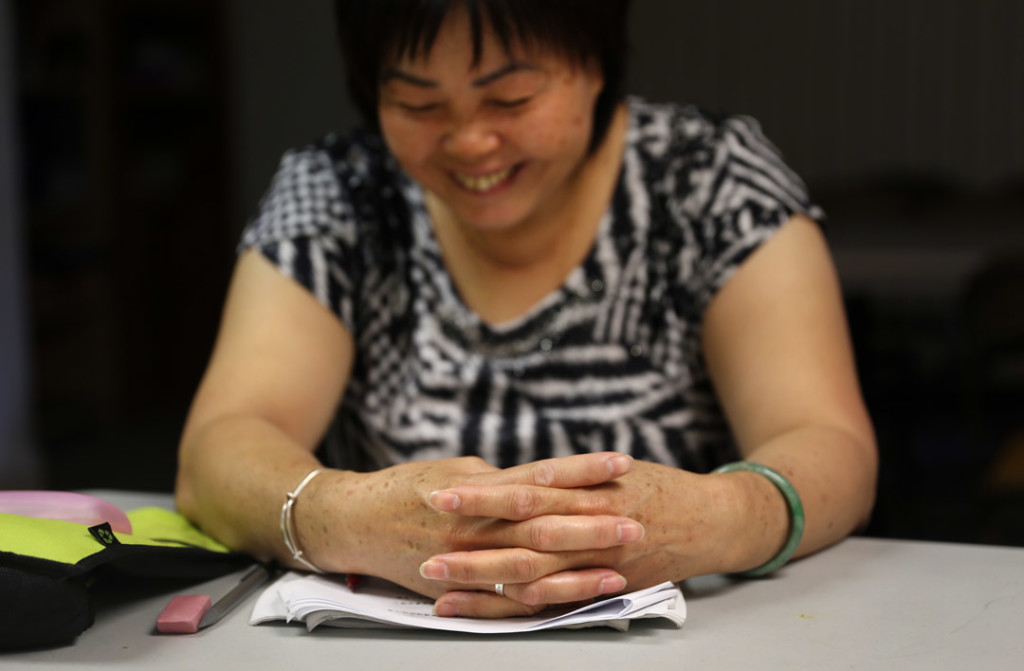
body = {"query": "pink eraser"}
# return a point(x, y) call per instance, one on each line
point(182, 614)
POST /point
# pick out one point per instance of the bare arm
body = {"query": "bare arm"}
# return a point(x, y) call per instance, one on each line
point(779, 353)
point(276, 375)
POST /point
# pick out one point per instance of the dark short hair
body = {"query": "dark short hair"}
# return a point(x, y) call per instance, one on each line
point(371, 31)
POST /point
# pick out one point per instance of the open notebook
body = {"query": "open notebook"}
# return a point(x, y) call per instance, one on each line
point(324, 600)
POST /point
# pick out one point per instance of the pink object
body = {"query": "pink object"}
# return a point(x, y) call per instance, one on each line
point(68, 506)
point(182, 614)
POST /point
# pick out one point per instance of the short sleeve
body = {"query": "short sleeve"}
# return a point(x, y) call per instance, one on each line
point(306, 227)
point(737, 193)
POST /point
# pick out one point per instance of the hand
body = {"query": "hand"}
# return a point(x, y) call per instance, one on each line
point(679, 510)
point(387, 523)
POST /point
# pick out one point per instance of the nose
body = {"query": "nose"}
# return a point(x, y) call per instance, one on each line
point(471, 139)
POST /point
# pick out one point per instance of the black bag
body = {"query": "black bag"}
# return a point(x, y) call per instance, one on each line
point(51, 571)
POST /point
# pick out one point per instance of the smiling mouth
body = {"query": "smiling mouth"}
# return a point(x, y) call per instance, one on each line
point(484, 183)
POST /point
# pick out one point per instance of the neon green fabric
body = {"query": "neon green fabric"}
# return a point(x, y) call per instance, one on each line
point(55, 540)
point(69, 543)
point(151, 525)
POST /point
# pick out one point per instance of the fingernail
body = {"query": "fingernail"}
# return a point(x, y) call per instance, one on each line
point(619, 465)
point(446, 501)
point(445, 609)
point(612, 584)
point(630, 532)
point(434, 570)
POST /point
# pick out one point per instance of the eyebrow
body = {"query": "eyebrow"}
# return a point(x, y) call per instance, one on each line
point(490, 78)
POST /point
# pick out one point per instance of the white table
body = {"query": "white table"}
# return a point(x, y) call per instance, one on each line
point(864, 604)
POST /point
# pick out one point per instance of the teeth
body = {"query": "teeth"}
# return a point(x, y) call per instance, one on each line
point(483, 182)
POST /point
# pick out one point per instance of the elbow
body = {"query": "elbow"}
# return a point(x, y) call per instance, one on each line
point(868, 465)
point(184, 498)
point(185, 490)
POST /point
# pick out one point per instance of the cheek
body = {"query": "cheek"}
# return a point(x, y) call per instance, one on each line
point(566, 126)
point(409, 144)
point(561, 130)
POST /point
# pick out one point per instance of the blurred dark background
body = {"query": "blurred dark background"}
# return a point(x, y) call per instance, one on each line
point(136, 136)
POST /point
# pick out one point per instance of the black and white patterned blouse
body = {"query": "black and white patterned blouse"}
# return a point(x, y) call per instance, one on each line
point(611, 360)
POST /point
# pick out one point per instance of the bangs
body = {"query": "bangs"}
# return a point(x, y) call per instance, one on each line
point(414, 26)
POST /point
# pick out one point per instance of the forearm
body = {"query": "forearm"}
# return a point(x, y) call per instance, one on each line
point(233, 475)
point(833, 471)
point(236, 471)
point(732, 522)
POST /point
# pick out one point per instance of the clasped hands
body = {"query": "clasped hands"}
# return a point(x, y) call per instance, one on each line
point(558, 525)
point(553, 532)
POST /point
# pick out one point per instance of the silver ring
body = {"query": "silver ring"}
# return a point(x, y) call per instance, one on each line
point(499, 589)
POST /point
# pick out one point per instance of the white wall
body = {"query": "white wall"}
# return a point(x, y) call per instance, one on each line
point(18, 467)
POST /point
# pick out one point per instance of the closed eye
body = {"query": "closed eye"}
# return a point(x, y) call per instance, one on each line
point(511, 104)
point(418, 109)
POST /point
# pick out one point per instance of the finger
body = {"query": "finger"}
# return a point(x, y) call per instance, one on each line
point(562, 533)
point(554, 533)
point(567, 587)
point(580, 470)
point(528, 598)
point(508, 565)
point(482, 605)
point(519, 502)
point(487, 567)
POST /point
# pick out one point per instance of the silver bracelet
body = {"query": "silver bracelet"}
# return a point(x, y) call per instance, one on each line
point(288, 524)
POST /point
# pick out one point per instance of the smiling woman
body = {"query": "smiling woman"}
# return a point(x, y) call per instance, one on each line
point(525, 306)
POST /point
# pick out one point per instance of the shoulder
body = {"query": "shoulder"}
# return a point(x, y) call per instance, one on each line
point(327, 188)
point(334, 219)
point(668, 129)
point(717, 188)
point(702, 161)
point(336, 165)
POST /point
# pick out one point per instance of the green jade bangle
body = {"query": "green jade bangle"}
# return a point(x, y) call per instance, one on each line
point(796, 515)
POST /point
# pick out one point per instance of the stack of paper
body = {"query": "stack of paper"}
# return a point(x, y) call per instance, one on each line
point(319, 600)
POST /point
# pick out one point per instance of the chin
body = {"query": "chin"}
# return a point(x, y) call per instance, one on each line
point(502, 213)
point(488, 223)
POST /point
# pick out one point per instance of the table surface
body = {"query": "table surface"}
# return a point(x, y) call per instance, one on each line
point(864, 604)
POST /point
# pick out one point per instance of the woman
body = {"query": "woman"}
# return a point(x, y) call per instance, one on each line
point(524, 270)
